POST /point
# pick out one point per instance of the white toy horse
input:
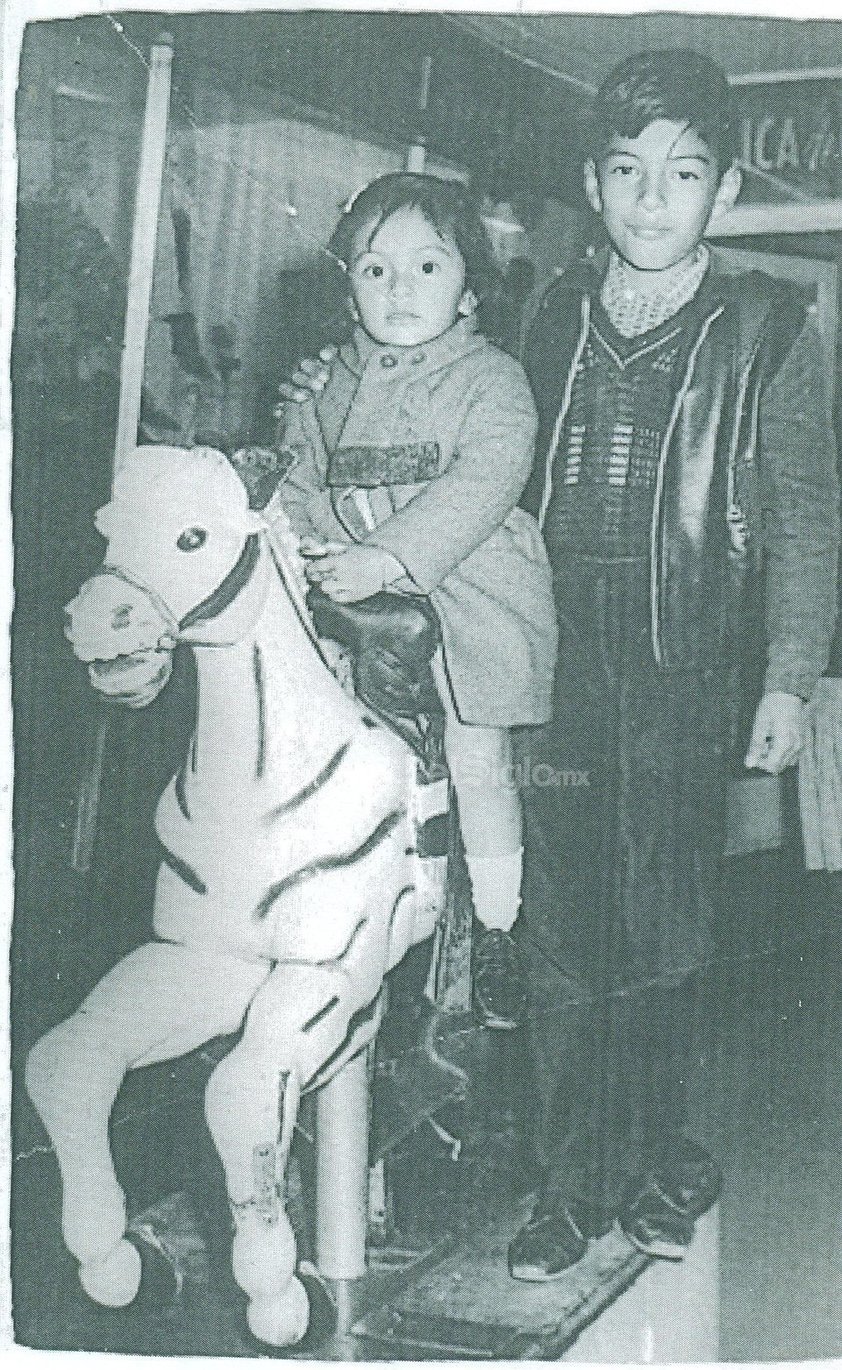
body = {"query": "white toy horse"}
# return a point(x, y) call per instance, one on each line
point(289, 884)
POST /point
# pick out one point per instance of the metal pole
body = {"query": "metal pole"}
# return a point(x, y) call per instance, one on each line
point(416, 155)
point(150, 174)
point(144, 234)
point(342, 1172)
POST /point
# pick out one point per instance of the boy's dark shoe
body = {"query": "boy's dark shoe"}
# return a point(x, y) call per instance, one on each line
point(499, 992)
point(659, 1218)
point(553, 1240)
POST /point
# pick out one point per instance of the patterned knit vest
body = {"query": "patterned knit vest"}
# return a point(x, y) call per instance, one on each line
point(605, 469)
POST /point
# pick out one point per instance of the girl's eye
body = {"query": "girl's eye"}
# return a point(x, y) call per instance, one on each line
point(374, 271)
point(429, 268)
point(191, 539)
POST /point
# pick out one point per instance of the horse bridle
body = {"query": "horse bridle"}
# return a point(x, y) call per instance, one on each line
point(223, 595)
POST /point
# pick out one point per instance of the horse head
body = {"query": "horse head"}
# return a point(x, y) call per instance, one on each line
point(181, 545)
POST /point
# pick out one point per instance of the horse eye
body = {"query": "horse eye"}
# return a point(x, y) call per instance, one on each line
point(191, 539)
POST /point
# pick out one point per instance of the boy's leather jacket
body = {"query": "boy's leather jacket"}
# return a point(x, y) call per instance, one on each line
point(728, 505)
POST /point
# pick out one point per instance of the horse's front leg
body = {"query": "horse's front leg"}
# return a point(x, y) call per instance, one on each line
point(159, 1002)
point(297, 1022)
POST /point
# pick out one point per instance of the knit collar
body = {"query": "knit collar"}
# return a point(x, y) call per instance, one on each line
point(461, 338)
point(586, 274)
point(633, 310)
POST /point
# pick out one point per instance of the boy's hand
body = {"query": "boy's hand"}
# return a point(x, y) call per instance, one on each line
point(354, 572)
point(777, 733)
point(310, 378)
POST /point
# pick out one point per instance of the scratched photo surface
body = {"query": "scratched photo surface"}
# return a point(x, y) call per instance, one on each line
point(259, 1104)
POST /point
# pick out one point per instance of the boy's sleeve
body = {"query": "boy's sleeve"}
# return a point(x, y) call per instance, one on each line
point(459, 509)
point(799, 495)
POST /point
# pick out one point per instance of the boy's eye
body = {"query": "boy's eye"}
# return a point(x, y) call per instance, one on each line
point(686, 174)
point(429, 268)
point(373, 271)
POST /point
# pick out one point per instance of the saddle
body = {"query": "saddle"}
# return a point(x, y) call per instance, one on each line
point(391, 639)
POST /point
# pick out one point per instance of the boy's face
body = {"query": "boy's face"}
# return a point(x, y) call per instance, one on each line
point(407, 281)
point(657, 193)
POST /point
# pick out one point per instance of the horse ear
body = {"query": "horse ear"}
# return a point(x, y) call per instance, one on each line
point(261, 470)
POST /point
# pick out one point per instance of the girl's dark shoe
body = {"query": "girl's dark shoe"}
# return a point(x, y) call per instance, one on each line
point(552, 1241)
point(660, 1217)
point(499, 992)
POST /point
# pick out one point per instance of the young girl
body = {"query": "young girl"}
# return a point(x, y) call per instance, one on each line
point(406, 475)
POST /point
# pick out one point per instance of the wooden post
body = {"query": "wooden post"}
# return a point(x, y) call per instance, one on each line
point(139, 294)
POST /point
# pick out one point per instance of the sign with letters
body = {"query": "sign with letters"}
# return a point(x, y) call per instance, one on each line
point(789, 147)
point(790, 140)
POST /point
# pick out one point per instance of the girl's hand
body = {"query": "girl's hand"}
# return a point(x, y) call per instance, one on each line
point(314, 547)
point(355, 572)
point(310, 378)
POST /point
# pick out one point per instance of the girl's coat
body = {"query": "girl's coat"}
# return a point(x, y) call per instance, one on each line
point(425, 452)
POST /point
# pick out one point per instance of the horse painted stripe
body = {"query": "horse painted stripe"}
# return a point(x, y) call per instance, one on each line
point(399, 897)
point(363, 923)
point(180, 795)
point(260, 697)
point(320, 1014)
point(311, 788)
point(329, 863)
point(183, 871)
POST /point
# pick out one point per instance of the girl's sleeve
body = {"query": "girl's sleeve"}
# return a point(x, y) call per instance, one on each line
point(799, 494)
point(303, 492)
point(459, 509)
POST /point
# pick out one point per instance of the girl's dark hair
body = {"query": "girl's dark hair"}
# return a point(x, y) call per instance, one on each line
point(678, 84)
point(447, 205)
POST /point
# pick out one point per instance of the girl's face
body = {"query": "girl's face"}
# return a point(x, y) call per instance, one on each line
point(408, 280)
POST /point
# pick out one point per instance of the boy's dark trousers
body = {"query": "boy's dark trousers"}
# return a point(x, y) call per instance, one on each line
point(611, 1074)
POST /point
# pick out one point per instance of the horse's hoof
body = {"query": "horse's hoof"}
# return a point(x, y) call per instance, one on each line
point(282, 1320)
point(262, 1258)
point(113, 1280)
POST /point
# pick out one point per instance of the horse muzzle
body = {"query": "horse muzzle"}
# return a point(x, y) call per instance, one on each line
point(113, 617)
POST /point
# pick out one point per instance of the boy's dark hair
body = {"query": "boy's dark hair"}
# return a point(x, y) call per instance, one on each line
point(678, 84)
point(447, 205)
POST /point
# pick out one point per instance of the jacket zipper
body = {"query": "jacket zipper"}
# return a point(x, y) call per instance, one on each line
point(565, 405)
point(655, 621)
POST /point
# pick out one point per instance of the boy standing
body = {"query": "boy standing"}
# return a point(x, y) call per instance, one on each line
point(686, 469)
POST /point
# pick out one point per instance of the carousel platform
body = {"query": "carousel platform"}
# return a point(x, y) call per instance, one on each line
point(615, 1305)
point(447, 1198)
